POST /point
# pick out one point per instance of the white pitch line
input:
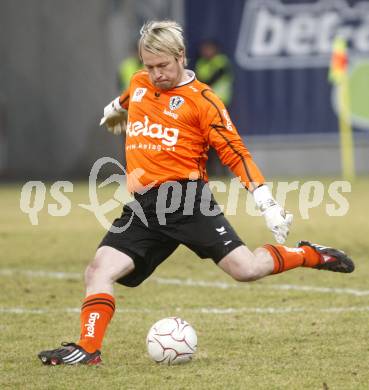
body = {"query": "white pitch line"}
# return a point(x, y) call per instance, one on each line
point(335, 290)
point(41, 274)
point(201, 310)
point(72, 310)
point(195, 283)
point(225, 285)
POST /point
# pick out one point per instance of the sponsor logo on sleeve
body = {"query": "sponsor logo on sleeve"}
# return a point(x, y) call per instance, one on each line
point(228, 119)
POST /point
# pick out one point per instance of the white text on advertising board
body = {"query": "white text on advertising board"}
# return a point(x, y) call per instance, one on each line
point(274, 34)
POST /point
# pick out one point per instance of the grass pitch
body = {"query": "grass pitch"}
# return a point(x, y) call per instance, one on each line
point(304, 329)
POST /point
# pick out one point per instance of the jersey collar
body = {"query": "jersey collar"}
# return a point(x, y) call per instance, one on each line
point(191, 77)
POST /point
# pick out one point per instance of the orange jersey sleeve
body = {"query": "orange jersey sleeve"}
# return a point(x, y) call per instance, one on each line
point(124, 99)
point(224, 138)
point(169, 134)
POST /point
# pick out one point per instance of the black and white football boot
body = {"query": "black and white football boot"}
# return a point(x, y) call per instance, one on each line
point(331, 259)
point(69, 353)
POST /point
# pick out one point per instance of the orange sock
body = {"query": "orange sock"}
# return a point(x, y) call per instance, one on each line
point(286, 258)
point(96, 313)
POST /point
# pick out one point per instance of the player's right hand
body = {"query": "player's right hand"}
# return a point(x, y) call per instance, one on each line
point(115, 117)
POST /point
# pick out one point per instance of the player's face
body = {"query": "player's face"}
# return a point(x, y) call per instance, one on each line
point(165, 71)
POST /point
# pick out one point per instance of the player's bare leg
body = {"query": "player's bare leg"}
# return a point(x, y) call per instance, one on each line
point(244, 265)
point(97, 309)
point(108, 266)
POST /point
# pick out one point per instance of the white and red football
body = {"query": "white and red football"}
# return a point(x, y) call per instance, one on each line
point(171, 341)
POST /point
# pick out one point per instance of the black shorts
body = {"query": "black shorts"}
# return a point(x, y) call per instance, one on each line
point(157, 222)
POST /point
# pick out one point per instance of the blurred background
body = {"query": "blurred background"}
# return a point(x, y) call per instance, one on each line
point(63, 61)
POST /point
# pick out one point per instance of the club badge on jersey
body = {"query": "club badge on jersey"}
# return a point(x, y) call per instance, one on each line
point(175, 102)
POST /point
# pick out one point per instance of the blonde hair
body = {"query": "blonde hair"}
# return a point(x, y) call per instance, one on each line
point(165, 36)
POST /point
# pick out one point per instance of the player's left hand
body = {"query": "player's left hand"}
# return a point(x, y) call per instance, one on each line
point(278, 222)
point(277, 219)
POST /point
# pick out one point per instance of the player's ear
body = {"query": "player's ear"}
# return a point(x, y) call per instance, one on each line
point(181, 57)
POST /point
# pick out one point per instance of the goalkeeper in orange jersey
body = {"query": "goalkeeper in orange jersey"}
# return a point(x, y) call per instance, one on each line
point(171, 119)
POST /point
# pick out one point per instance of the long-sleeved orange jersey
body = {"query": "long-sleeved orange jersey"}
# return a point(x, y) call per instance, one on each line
point(169, 134)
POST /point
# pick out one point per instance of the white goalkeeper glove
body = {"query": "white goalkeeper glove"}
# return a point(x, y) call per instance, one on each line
point(277, 219)
point(115, 117)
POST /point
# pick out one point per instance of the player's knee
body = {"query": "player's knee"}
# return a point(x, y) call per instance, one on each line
point(244, 272)
point(254, 267)
point(90, 272)
point(107, 266)
point(96, 270)
point(245, 275)
point(242, 268)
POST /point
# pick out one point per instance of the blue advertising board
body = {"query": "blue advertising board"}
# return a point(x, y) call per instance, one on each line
point(280, 52)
